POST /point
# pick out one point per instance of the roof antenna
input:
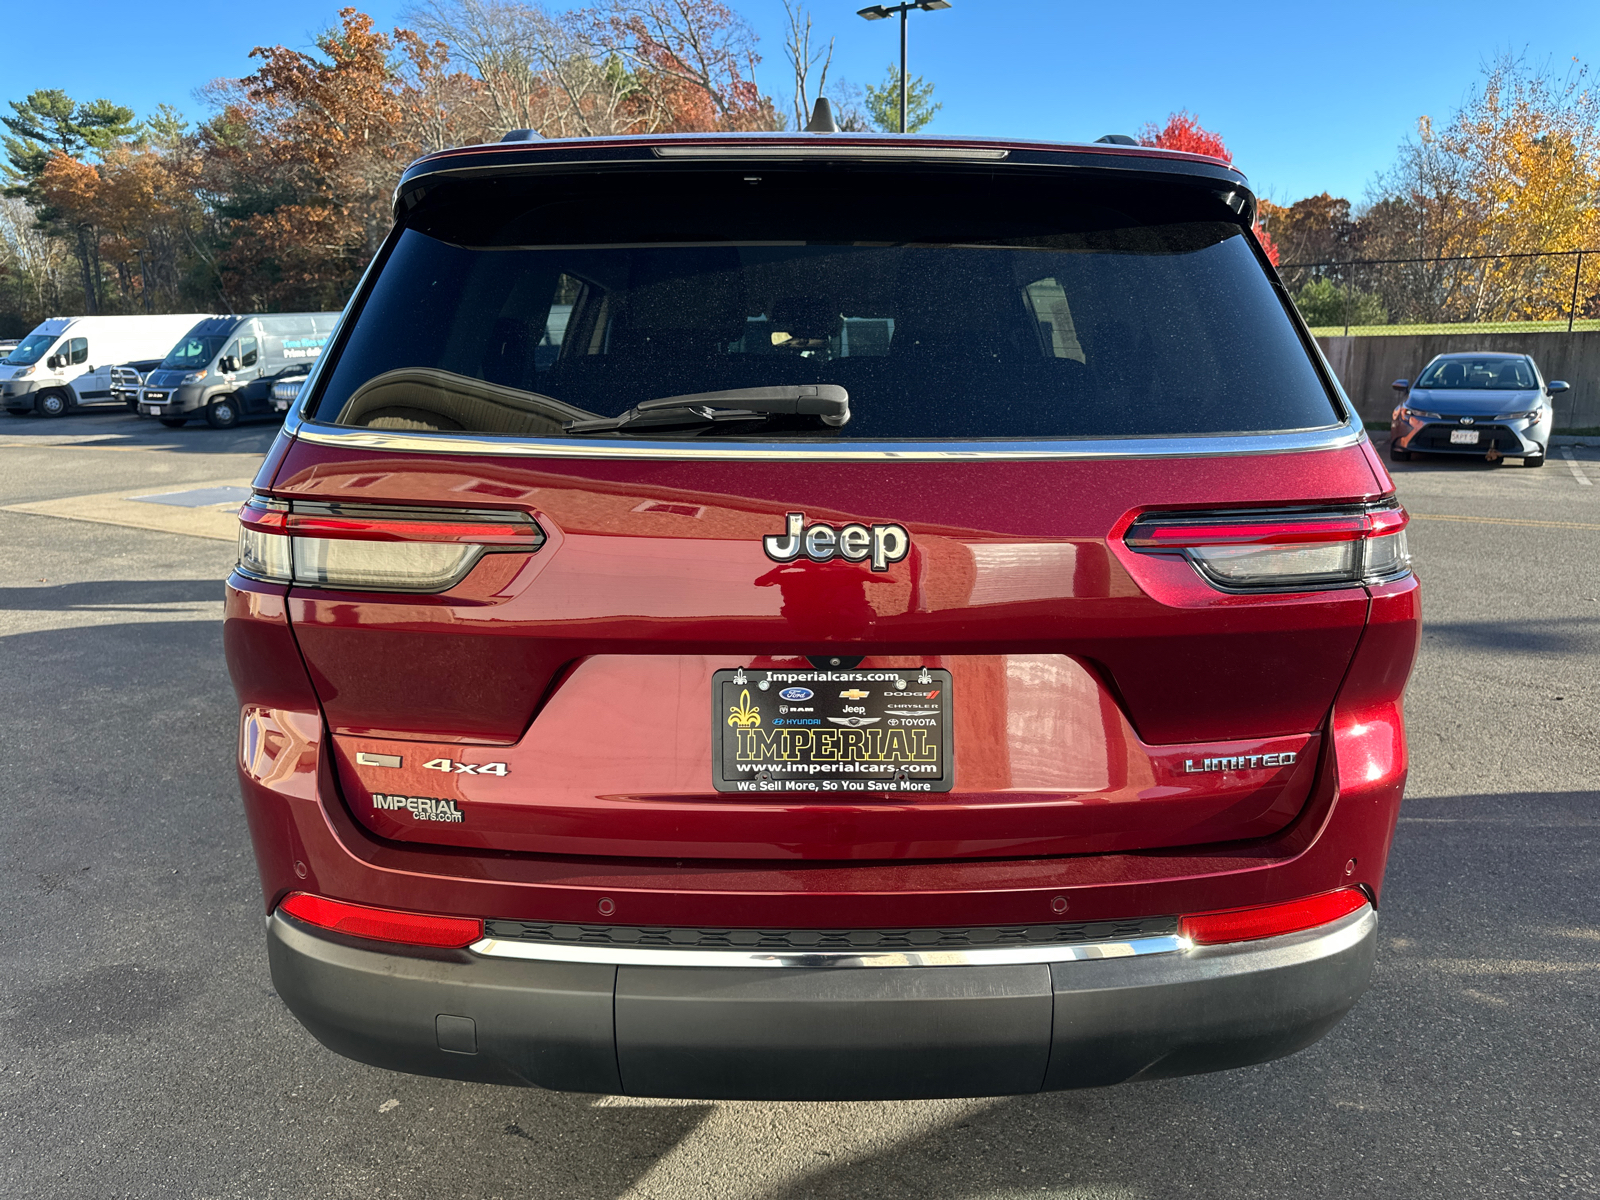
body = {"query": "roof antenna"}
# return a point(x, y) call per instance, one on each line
point(822, 118)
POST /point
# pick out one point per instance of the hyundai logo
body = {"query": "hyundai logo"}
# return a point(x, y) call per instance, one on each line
point(796, 693)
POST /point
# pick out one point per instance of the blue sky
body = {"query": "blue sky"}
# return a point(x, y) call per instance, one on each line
point(1309, 98)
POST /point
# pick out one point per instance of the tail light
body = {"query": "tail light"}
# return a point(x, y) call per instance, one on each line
point(382, 924)
point(364, 547)
point(1279, 550)
point(1270, 920)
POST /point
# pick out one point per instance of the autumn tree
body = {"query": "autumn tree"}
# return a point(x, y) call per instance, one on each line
point(695, 62)
point(305, 154)
point(551, 72)
point(50, 124)
point(1317, 229)
point(624, 66)
point(1514, 172)
point(1184, 132)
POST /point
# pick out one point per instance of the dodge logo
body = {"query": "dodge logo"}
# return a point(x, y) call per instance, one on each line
point(882, 544)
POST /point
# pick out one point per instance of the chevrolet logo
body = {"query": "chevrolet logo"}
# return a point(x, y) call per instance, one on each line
point(854, 694)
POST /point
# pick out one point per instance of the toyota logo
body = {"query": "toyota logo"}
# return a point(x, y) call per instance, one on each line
point(1465, 420)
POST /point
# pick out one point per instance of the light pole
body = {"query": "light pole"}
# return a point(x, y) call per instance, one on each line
point(877, 12)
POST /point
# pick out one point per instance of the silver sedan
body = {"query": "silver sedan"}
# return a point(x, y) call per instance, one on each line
point(1492, 406)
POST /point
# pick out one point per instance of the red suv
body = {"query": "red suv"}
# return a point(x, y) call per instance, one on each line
point(788, 616)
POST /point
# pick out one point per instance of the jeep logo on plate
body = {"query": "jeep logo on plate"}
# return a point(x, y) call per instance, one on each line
point(882, 544)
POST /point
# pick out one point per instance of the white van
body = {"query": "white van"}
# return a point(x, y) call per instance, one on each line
point(66, 362)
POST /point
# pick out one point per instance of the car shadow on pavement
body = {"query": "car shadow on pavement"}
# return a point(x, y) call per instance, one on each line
point(112, 429)
point(1528, 635)
point(109, 595)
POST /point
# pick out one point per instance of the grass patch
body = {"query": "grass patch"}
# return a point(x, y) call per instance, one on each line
point(1467, 328)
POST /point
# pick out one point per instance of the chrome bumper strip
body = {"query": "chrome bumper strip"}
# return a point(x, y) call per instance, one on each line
point(987, 956)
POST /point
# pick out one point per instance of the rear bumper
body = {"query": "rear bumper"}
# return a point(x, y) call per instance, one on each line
point(897, 1032)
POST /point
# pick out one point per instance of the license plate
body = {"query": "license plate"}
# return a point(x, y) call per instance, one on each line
point(1463, 437)
point(831, 731)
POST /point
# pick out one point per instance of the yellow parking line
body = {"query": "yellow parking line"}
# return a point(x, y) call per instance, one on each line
point(1416, 516)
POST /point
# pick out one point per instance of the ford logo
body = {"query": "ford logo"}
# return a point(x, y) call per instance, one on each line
point(796, 693)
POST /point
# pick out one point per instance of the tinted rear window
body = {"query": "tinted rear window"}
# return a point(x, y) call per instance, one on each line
point(949, 306)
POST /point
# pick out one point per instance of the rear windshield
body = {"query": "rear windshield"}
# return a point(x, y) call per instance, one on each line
point(1483, 374)
point(945, 306)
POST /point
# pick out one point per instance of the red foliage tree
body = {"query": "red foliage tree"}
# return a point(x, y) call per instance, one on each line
point(1183, 131)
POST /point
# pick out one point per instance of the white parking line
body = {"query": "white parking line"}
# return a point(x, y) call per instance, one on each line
point(1572, 465)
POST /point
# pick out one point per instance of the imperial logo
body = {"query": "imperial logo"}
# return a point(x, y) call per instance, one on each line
point(1239, 762)
point(421, 808)
point(882, 544)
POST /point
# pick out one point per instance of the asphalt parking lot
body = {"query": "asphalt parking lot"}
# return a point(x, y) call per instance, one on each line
point(143, 1052)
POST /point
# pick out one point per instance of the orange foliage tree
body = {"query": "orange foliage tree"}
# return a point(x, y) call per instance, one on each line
point(694, 61)
point(305, 154)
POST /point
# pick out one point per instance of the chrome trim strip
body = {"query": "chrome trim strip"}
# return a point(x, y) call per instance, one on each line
point(1219, 445)
point(834, 150)
point(651, 956)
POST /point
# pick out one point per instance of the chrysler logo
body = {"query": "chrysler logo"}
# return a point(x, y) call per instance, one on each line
point(881, 544)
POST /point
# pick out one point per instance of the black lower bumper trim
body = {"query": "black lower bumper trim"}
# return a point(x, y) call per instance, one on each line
point(541, 1024)
point(824, 1034)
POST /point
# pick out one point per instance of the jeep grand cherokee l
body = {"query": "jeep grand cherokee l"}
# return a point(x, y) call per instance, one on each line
point(820, 617)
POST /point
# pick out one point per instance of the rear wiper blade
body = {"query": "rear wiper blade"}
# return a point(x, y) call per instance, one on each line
point(827, 401)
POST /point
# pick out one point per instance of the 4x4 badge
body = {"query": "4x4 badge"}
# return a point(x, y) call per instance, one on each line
point(881, 544)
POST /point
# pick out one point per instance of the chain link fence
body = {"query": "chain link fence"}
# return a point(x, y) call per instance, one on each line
point(1555, 291)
